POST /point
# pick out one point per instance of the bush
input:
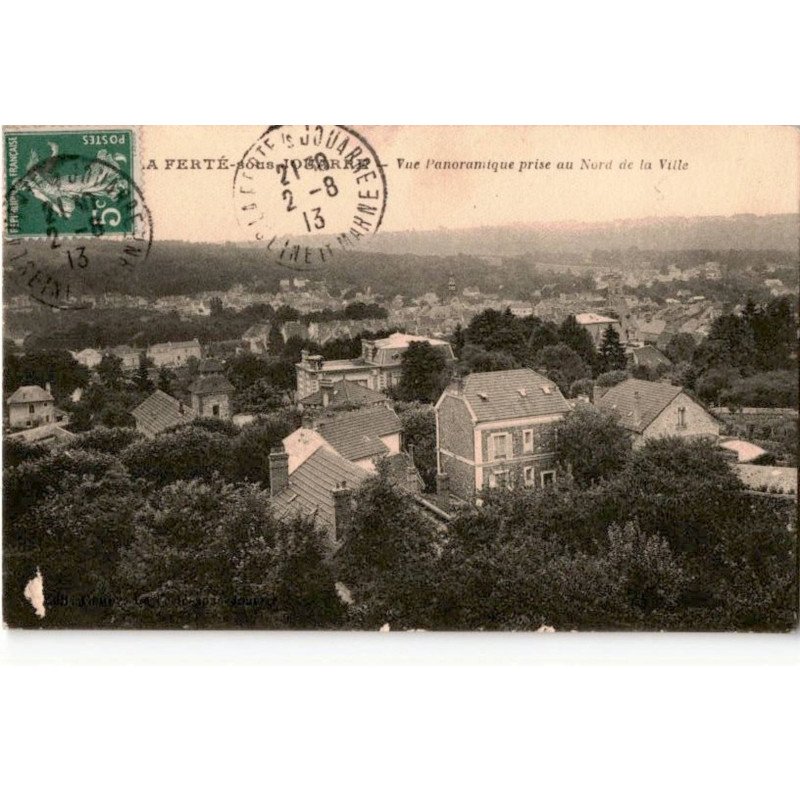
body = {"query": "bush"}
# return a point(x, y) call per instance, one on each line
point(106, 440)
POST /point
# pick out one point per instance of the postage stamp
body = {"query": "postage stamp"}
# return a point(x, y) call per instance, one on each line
point(308, 191)
point(69, 182)
point(73, 190)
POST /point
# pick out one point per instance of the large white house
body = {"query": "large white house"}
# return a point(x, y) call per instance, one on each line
point(378, 367)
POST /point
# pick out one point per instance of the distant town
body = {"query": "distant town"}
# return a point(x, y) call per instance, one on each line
point(409, 439)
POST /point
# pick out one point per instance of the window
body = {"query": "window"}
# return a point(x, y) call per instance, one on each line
point(215, 410)
point(498, 447)
point(498, 479)
point(527, 441)
point(548, 477)
point(30, 408)
point(528, 472)
point(681, 417)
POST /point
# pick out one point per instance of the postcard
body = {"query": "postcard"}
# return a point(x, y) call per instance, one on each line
point(329, 377)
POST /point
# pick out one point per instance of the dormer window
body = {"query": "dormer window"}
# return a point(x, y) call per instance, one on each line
point(547, 390)
point(523, 392)
point(483, 396)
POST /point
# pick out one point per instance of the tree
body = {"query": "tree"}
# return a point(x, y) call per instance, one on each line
point(183, 453)
point(680, 348)
point(714, 382)
point(142, 380)
point(250, 449)
point(561, 364)
point(419, 438)
point(609, 379)
point(582, 387)
point(458, 340)
point(110, 371)
point(166, 378)
point(274, 340)
point(245, 369)
point(477, 359)
point(777, 389)
point(423, 373)
point(592, 444)
point(56, 367)
point(387, 558)
point(611, 355)
point(106, 440)
point(258, 398)
point(578, 339)
point(73, 537)
point(27, 484)
point(211, 555)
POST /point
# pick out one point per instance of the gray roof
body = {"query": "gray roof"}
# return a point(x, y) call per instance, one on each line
point(356, 434)
point(173, 345)
point(213, 383)
point(512, 393)
point(653, 399)
point(309, 492)
point(346, 393)
point(30, 394)
point(159, 412)
point(650, 356)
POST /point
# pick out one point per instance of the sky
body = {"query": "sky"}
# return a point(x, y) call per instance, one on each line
point(731, 170)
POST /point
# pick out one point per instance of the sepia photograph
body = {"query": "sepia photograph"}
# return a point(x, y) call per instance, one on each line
point(377, 378)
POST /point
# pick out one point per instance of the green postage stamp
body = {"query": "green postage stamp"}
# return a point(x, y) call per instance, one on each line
point(62, 183)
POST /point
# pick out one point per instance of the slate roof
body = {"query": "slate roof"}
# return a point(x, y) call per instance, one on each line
point(356, 434)
point(654, 327)
point(309, 492)
point(159, 412)
point(512, 393)
point(346, 393)
point(650, 356)
point(211, 384)
point(653, 399)
point(257, 331)
point(30, 394)
point(208, 365)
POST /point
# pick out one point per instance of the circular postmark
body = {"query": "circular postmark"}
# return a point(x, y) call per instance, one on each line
point(306, 192)
point(84, 220)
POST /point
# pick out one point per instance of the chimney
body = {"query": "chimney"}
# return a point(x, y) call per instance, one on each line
point(637, 410)
point(598, 392)
point(326, 389)
point(278, 470)
point(443, 490)
point(342, 509)
point(47, 387)
point(458, 384)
